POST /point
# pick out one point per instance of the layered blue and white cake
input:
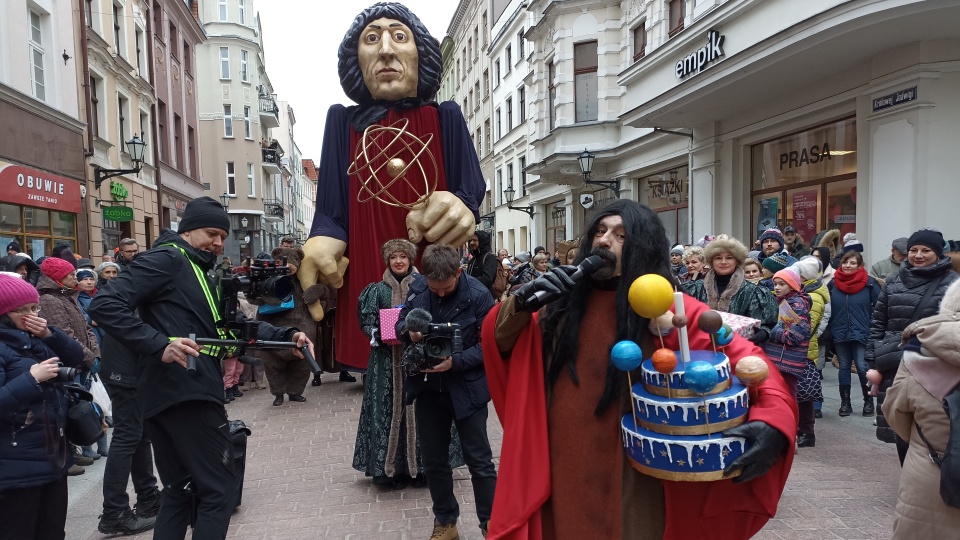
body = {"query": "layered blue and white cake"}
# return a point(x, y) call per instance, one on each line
point(674, 433)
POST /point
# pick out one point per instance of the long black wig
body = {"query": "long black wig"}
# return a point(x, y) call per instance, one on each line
point(645, 251)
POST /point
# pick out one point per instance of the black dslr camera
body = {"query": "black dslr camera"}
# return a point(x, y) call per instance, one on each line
point(439, 341)
point(65, 374)
point(266, 279)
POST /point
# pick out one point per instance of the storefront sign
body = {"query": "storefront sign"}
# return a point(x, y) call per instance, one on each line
point(33, 187)
point(698, 59)
point(805, 156)
point(117, 213)
point(894, 99)
point(118, 191)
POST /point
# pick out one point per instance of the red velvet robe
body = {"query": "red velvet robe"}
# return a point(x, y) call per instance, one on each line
point(719, 510)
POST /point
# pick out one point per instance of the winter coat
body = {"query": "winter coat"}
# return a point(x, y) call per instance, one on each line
point(931, 367)
point(740, 297)
point(31, 413)
point(799, 250)
point(467, 380)
point(790, 339)
point(852, 312)
point(161, 285)
point(896, 306)
point(483, 264)
point(33, 269)
point(58, 305)
point(299, 317)
point(819, 314)
point(884, 268)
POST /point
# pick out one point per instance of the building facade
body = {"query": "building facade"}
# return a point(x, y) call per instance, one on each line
point(238, 110)
point(42, 169)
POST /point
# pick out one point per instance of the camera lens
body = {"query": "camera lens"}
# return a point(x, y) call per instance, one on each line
point(278, 287)
point(66, 374)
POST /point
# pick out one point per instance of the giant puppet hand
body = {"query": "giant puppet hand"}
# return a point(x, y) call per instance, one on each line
point(323, 261)
point(443, 220)
point(765, 445)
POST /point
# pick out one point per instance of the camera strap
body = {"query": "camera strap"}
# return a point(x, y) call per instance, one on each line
point(215, 351)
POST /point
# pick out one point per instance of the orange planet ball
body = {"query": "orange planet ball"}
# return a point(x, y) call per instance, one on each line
point(752, 370)
point(664, 361)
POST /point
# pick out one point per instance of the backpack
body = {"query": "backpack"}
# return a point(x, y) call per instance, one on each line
point(949, 462)
point(501, 282)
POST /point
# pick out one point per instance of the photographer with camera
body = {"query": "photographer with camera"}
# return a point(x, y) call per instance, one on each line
point(33, 414)
point(442, 318)
point(173, 289)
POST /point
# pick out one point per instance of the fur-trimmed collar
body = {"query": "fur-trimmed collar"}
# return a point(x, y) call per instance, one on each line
point(398, 291)
point(722, 303)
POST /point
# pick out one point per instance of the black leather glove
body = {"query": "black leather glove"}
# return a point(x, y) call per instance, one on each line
point(759, 336)
point(765, 445)
point(551, 286)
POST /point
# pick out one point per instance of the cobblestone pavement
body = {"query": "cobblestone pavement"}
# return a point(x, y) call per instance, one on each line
point(300, 485)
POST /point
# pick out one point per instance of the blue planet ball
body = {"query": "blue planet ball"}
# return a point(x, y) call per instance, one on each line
point(701, 376)
point(626, 355)
point(723, 336)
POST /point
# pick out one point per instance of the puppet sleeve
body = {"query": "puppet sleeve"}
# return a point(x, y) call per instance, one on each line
point(333, 184)
point(464, 178)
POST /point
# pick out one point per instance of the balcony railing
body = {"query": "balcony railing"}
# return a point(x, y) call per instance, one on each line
point(269, 112)
point(271, 160)
point(273, 208)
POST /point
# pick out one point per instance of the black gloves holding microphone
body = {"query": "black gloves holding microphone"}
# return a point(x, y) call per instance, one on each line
point(545, 289)
point(764, 444)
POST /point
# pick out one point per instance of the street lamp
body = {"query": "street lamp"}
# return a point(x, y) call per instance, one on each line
point(242, 232)
point(135, 148)
point(586, 167)
point(244, 222)
point(225, 200)
point(510, 193)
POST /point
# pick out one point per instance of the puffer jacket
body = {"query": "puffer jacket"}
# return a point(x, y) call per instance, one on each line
point(32, 413)
point(58, 305)
point(895, 308)
point(790, 338)
point(914, 399)
point(851, 312)
point(819, 314)
point(740, 298)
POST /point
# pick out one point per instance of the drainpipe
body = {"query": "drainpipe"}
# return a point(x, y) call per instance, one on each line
point(154, 132)
point(83, 219)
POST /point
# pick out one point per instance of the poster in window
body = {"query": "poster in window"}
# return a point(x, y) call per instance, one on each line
point(767, 216)
point(805, 213)
point(586, 97)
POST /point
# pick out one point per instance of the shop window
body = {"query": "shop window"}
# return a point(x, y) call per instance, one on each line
point(807, 180)
point(585, 63)
point(110, 235)
point(64, 224)
point(10, 221)
point(556, 227)
point(36, 221)
point(667, 194)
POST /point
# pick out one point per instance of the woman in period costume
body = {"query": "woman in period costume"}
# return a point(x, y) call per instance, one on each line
point(386, 446)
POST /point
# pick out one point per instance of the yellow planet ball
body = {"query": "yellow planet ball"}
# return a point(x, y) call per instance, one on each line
point(650, 296)
point(752, 370)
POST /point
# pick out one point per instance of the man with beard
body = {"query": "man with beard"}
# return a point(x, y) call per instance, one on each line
point(793, 242)
point(770, 242)
point(563, 470)
point(483, 263)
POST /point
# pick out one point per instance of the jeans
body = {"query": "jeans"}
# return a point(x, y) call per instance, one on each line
point(37, 513)
point(849, 352)
point(435, 414)
point(130, 454)
point(192, 442)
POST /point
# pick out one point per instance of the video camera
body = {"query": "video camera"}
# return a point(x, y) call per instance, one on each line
point(267, 279)
point(439, 341)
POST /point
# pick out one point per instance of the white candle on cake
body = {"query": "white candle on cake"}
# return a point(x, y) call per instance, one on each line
point(684, 342)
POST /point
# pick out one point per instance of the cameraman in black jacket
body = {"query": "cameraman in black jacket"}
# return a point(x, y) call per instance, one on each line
point(455, 390)
point(175, 294)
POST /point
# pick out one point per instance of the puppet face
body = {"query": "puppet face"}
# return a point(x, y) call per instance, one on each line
point(388, 59)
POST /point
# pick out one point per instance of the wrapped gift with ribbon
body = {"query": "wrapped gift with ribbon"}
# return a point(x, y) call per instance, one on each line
point(745, 326)
point(388, 325)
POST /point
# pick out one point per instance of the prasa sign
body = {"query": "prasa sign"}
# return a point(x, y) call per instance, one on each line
point(33, 187)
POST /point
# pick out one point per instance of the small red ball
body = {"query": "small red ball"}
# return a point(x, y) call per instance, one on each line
point(664, 361)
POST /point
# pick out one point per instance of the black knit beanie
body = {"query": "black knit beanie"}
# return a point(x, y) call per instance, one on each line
point(927, 237)
point(204, 212)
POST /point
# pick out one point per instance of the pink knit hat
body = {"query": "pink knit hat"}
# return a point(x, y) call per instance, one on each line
point(790, 278)
point(56, 268)
point(16, 293)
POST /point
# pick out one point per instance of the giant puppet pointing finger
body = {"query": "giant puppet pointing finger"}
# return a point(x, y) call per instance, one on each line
point(395, 165)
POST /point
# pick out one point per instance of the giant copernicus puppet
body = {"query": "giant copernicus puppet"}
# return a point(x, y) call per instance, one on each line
point(376, 160)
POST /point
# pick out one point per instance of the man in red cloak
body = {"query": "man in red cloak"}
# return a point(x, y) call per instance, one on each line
point(564, 473)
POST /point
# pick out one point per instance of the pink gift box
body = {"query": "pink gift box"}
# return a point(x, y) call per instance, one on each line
point(745, 326)
point(388, 326)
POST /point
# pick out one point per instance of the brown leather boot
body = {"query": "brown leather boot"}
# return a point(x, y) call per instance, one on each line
point(444, 532)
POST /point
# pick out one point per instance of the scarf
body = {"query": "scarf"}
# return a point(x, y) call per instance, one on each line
point(851, 283)
point(721, 302)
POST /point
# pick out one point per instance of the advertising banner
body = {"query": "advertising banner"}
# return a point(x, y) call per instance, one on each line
point(34, 187)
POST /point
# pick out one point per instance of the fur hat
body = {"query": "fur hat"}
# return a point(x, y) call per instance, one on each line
point(772, 234)
point(565, 248)
point(725, 244)
point(776, 262)
point(16, 293)
point(293, 255)
point(398, 244)
point(831, 241)
point(790, 278)
point(850, 242)
point(807, 268)
point(951, 299)
point(930, 238)
point(56, 268)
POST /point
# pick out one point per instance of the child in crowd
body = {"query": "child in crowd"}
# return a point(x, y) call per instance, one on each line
point(788, 344)
point(752, 271)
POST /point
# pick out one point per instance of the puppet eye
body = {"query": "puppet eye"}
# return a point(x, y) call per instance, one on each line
point(400, 37)
point(372, 37)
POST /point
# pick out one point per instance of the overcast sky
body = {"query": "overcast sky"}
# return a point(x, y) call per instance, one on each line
point(300, 39)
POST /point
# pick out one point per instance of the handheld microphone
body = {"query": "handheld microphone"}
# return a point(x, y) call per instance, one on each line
point(589, 265)
point(418, 320)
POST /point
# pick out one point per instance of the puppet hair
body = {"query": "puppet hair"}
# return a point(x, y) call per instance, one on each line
point(430, 61)
point(645, 251)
